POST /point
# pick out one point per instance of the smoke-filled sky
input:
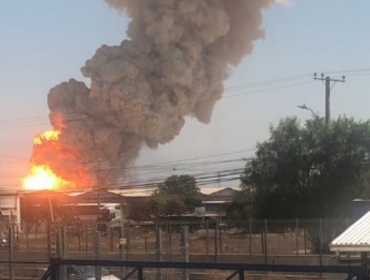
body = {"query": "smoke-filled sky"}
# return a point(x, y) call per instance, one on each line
point(47, 43)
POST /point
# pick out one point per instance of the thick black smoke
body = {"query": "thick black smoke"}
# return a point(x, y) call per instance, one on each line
point(173, 65)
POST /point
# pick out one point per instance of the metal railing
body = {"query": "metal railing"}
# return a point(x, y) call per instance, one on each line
point(240, 271)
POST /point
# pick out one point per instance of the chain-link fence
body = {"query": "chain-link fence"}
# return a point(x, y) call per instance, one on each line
point(22, 270)
point(214, 240)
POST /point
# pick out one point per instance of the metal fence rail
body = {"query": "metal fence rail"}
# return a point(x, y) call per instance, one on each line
point(137, 270)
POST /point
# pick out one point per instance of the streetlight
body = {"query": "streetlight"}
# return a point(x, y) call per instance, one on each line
point(304, 107)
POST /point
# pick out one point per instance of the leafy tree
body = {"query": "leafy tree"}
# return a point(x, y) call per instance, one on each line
point(239, 211)
point(178, 194)
point(140, 211)
point(310, 171)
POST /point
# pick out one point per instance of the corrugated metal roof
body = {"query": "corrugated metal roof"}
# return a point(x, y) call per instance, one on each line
point(354, 239)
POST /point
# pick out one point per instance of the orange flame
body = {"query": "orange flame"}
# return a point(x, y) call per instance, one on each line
point(46, 136)
point(54, 165)
point(43, 178)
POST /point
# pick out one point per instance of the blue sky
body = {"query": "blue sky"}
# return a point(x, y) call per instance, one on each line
point(44, 43)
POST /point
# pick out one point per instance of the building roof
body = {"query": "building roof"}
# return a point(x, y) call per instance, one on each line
point(356, 238)
point(134, 192)
point(214, 190)
point(225, 195)
point(228, 192)
point(215, 201)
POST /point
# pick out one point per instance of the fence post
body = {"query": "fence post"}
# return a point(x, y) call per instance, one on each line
point(296, 236)
point(364, 269)
point(159, 252)
point(321, 242)
point(146, 241)
point(250, 237)
point(17, 233)
point(185, 249)
point(111, 239)
point(86, 239)
point(140, 273)
point(79, 233)
point(48, 238)
point(64, 242)
point(216, 241)
point(62, 250)
point(121, 239)
point(128, 239)
point(220, 238)
point(170, 237)
point(52, 240)
point(97, 254)
point(265, 242)
point(305, 240)
point(11, 251)
point(207, 237)
point(167, 230)
point(241, 274)
point(54, 267)
point(262, 243)
point(27, 232)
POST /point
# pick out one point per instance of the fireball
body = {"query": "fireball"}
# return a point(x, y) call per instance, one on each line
point(43, 178)
point(41, 175)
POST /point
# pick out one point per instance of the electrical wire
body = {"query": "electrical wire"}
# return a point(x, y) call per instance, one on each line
point(17, 123)
point(14, 157)
point(40, 120)
point(187, 163)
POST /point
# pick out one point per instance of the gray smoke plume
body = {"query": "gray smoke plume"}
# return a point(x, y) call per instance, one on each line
point(173, 65)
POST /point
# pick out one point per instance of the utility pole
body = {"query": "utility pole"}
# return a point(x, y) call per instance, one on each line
point(328, 88)
point(98, 184)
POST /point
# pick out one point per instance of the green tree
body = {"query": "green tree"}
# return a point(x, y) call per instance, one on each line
point(310, 171)
point(176, 195)
point(240, 211)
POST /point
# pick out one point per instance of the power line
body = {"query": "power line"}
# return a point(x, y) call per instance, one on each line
point(162, 166)
point(171, 163)
point(347, 72)
point(359, 75)
point(267, 90)
point(111, 110)
point(155, 171)
point(201, 180)
point(14, 157)
point(38, 120)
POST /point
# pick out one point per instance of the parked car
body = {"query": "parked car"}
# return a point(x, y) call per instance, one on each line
point(86, 272)
point(4, 242)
